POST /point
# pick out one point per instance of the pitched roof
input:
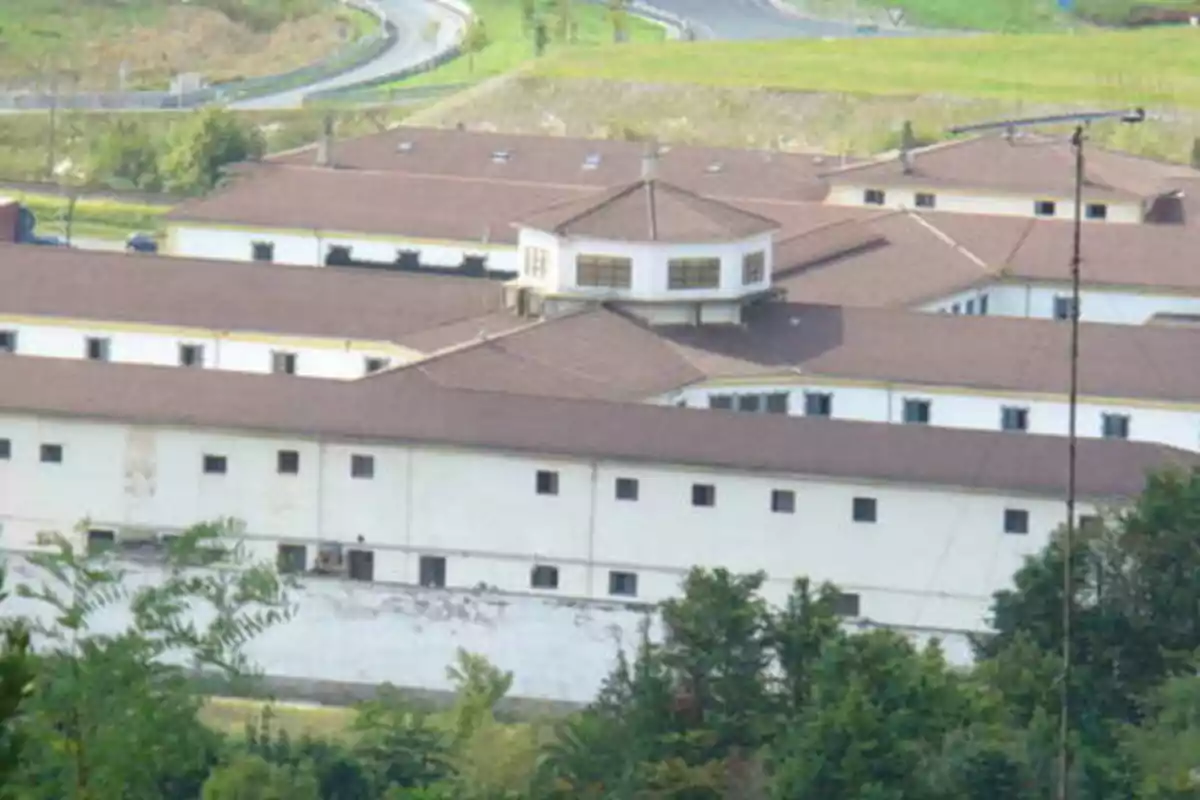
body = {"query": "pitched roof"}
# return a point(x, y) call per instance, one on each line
point(407, 408)
point(233, 296)
point(1022, 163)
point(649, 211)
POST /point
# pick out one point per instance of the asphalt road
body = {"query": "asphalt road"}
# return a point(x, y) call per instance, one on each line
point(762, 19)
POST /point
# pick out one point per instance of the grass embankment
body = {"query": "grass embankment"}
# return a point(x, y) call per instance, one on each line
point(230, 716)
point(86, 42)
point(572, 26)
point(1011, 16)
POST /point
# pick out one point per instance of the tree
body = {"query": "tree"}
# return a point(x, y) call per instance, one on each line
point(1166, 750)
point(250, 777)
point(198, 148)
point(16, 681)
point(474, 40)
point(618, 17)
point(124, 157)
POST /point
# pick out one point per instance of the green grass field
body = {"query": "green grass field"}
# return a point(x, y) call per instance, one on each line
point(1011, 16)
point(1155, 68)
point(510, 45)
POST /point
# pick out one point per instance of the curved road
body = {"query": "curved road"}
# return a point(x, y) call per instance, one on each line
point(767, 19)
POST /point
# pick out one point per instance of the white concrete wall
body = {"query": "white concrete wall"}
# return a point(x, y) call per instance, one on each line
point(931, 561)
point(1097, 304)
point(310, 248)
point(982, 202)
point(1172, 424)
point(238, 352)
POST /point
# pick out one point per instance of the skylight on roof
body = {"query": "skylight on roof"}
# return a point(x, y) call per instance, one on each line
point(404, 147)
point(500, 156)
point(714, 167)
point(592, 161)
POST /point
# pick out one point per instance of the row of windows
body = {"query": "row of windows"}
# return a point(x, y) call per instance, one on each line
point(287, 462)
point(976, 306)
point(616, 272)
point(914, 412)
point(338, 255)
point(1041, 208)
point(97, 348)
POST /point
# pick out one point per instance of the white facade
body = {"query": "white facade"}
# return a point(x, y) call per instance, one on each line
point(1175, 424)
point(310, 248)
point(929, 561)
point(225, 350)
point(1117, 305)
point(982, 202)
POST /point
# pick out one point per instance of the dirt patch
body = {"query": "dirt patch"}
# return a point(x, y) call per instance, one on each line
point(753, 118)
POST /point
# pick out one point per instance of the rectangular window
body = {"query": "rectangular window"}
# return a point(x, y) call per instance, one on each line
point(362, 466)
point(191, 355)
point(777, 403)
point(1045, 208)
point(754, 267)
point(970, 308)
point(724, 402)
point(338, 255)
point(956, 309)
point(362, 565)
point(287, 462)
point(1016, 520)
point(750, 403)
point(1097, 211)
point(916, 412)
point(783, 501)
point(1114, 426)
point(535, 262)
point(847, 604)
point(543, 577)
point(96, 348)
point(262, 251)
point(291, 558)
point(547, 482)
point(5, 449)
point(371, 364)
point(215, 465)
point(983, 306)
point(433, 571)
point(615, 272)
point(694, 273)
point(704, 495)
point(874, 197)
point(1090, 523)
point(865, 509)
point(926, 200)
point(1014, 418)
point(52, 453)
point(818, 404)
point(1062, 307)
point(8, 341)
point(627, 489)
point(283, 363)
point(623, 584)
point(99, 541)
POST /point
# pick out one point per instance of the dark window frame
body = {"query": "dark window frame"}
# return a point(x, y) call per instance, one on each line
point(1114, 425)
point(701, 272)
point(544, 577)
point(191, 355)
point(431, 572)
point(360, 564)
point(284, 362)
point(874, 197)
point(9, 340)
point(1020, 414)
point(865, 510)
point(754, 267)
point(622, 583)
point(627, 489)
point(286, 561)
point(594, 271)
point(783, 501)
point(818, 404)
point(362, 466)
point(263, 252)
point(5, 449)
point(704, 495)
point(1016, 521)
point(97, 348)
point(925, 200)
point(287, 462)
point(213, 460)
point(51, 453)
point(1045, 208)
point(546, 483)
point(922, 407)
point(1096, 211)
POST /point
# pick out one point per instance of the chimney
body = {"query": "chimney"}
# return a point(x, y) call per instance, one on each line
point(325, 144)
point(650, 161)
point(907, 142)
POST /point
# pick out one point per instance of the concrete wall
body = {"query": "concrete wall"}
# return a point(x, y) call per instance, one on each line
point(983, 202)
point(1117, 305)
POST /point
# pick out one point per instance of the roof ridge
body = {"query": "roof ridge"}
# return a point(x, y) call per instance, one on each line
point(894, 155)
point(688, 196)
point(949, 240)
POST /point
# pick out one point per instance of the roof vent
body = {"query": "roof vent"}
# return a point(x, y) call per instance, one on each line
point(404, 147)
point(501, 156)
point(714, 167)
point(592, 161)
point(818, 159)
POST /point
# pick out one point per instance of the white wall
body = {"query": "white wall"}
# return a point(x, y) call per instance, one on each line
point(239, 352)
point(932, 559)
point(309, 249)
point(982, 202)
point(1096, 304)
point(1177, 425)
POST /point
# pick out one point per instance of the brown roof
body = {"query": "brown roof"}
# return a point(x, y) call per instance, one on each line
point(595, 163)
point(231, 296)
point(1024, 164)
point(649, 211)
point(405, 408)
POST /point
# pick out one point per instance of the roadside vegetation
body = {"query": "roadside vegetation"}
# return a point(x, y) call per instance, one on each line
point(1008, 16)
point(90, 44)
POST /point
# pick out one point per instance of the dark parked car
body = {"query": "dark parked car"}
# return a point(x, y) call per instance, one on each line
point(141, 243)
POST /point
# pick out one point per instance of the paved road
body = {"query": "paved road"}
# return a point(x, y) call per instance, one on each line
point(762, 19)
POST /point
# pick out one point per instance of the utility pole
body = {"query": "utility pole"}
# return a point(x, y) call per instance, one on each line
point(1081, 121)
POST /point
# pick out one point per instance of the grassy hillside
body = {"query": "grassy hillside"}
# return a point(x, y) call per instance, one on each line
point(1012, 16)
point(1158, 69)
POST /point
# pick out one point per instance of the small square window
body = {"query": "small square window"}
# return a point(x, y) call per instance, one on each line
point(777, 403)
point(362, 565)
point(99, 541)
point(291, 558)
point(724, 402)
point(1062, 307)
point(191, 355)
point(262, 251)
point(1090, 523)
point(1014, 418)
point(750, 403)
point(956, 309)
point(874, 197)
point(818, 404)
point(433, 571)
point(925, 200)
point(283, 363)
point(376, 364)
point(543, 577)
point(916, 412)
point(704, 495)
point(1114, 426)
point(215, 465)
point(969, 310)
point(97, 348)
point(52, 453)
point(287, 462)
point(5, 449)
point(865, 509)
point(338, 255)
point(623, 584)
point(847, 604)
point(362, 466)
point(1097, 211)
point(983, 306)
point(783, 501)
point(547, 482)
point(8, 341)
point(1016, 520)
point(627, 489)
point(1045, 208)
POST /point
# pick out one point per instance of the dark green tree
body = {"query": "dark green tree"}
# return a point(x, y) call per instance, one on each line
point(1165, 749)
point(250, 777)
point(124, 156)
point(202, 145)
point(17, 672)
